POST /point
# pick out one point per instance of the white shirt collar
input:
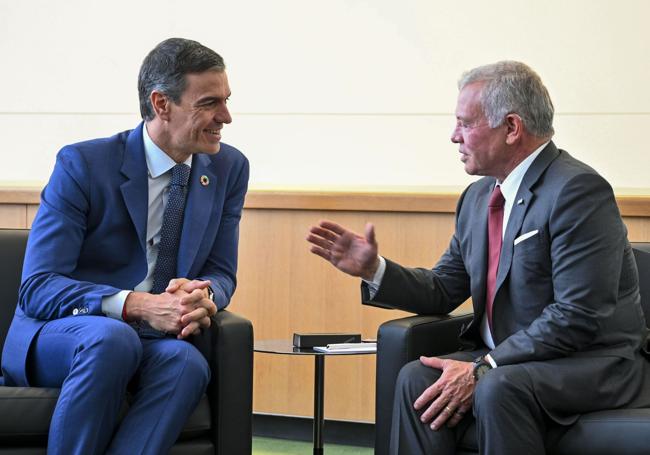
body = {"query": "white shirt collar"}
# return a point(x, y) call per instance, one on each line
point(158, 162)
point(510, 186)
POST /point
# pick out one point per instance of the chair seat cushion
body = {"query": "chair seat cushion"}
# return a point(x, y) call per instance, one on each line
point(25, 414)
point(620, 431)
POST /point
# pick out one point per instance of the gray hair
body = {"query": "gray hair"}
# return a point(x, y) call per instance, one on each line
point(513, 87)
point(165, 67)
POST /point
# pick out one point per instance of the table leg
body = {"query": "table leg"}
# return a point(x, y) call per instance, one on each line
point(319, 392)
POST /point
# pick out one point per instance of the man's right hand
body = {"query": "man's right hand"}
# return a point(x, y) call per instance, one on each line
point(348, 251)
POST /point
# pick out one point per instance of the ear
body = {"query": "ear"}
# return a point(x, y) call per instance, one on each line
point(514, 128)
point(161, 104)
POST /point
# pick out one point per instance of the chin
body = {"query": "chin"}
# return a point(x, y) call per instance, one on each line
point(212, 149)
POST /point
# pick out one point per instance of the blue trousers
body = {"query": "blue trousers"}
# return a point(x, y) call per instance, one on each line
point(94, 360)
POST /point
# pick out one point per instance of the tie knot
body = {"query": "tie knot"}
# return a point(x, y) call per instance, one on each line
point(496, 200)
point(180, 175)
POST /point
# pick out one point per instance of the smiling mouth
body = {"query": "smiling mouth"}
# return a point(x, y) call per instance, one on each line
point(217, 132)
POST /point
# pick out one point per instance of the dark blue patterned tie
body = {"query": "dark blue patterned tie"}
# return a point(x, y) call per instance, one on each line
point(170, 231)
point(170, 234)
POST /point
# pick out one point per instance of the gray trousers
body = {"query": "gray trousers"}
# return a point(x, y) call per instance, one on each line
point(515, 405)
point(508, 419)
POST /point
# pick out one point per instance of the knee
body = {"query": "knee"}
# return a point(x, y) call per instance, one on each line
point(500, 387)
point(182, 359)
point(197, 367)
point(115, 345)
point(413, 379)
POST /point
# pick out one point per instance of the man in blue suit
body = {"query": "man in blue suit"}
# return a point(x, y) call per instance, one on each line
point(97, 315)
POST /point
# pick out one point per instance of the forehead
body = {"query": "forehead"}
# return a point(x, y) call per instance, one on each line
point(469, 101)
point(207, 83)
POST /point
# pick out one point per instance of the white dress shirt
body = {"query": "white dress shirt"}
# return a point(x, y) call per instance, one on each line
point(159, 166)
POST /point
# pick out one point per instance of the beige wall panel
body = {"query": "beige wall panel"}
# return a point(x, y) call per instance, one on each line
point(285, 289)
point(638, 229)
point(31, 214)
point(13, 216)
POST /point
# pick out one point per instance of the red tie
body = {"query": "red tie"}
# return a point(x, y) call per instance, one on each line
point(495, 239)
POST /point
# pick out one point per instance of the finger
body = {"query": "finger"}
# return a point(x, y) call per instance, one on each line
point(175, 284)
point(370, 234)
point(193, 298)
point(188, 330)
point(433, 362)
point(205, 322)
point(427, 396)
point(443, 416)
point(210, 306)
point(439, 405)
point(324, 233)
point(319, 241)
point(195, 315)
point(189, 286)
point(458, 415)
point(318, 251)
point(332, 226)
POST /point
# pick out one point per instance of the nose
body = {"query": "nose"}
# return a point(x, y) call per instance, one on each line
point(223, 115)
point(456, 137)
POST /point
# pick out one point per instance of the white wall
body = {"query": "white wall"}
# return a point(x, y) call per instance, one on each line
point(337, 93)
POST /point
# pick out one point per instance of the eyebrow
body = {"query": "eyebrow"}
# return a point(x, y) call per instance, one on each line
point(210, 99)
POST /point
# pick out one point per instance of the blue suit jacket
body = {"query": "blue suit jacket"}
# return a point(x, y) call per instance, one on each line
point(88, 238)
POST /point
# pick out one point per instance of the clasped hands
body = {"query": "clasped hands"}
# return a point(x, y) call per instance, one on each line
point(183, 309)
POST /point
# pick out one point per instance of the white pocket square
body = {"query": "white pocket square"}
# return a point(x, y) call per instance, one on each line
point(525, 236)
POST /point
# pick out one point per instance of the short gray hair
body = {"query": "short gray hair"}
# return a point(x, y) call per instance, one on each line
point(513, 87)
point(165, 67)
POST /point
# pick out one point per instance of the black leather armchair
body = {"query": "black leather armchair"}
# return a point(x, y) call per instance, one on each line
point(622, 431)
point(222, 422)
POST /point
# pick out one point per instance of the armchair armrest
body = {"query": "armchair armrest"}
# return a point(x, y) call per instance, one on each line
point(400, 341)
point(228, 346)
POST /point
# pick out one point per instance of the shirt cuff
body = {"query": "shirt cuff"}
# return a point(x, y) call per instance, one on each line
point(112, 305)
point(490, 360)
point(373, 286)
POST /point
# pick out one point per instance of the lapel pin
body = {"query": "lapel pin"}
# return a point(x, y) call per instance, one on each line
point(520, 201)
point(205, 181)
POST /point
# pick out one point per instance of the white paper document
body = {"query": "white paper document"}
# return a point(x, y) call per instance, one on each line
point(347, 347)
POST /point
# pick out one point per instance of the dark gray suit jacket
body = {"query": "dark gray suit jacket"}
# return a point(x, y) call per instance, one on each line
point(567, 301)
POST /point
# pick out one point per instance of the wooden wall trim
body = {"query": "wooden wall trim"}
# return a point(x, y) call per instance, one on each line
point(432, 202)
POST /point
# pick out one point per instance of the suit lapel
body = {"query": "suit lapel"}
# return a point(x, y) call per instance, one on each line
point(135, 189)
point(480, 240)
point(200, 198)
point(520, 206)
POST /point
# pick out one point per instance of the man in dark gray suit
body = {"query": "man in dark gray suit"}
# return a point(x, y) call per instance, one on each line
point(541, 248)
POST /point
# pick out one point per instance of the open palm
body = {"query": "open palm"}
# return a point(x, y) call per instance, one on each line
point(348, 251)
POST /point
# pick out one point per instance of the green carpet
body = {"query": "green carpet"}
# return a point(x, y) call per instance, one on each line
point(269, 446)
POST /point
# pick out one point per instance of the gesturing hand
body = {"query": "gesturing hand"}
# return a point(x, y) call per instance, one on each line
point(348, 251)
point(450, 396)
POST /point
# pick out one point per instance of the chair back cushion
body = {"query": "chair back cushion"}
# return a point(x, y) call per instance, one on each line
point(12, 248)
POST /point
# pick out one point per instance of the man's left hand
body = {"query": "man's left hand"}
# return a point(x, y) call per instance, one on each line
point(450, 396)
point(198, 306)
